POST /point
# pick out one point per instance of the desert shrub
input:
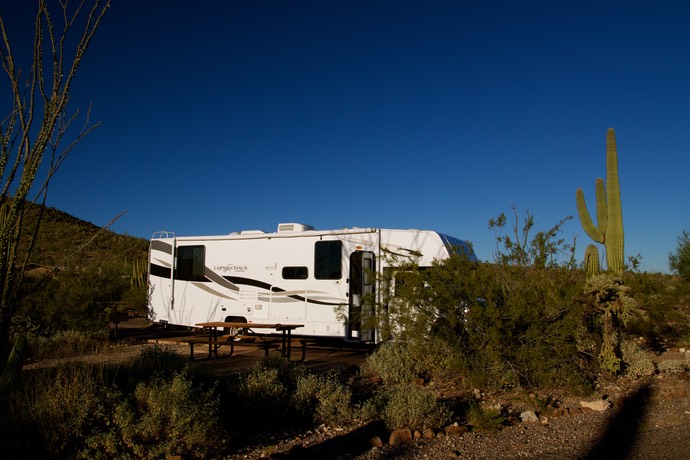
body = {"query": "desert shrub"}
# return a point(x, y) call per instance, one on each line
point(263, 393)
point(637, 362)
point(679, 261)
point(402, 362)
point(394, 363)
point(323, 399)
point(406, 406)
point(65, 344)
point(413, 406)
point(54, 410)
point(674, 366)
point(665, 300)
point(153, 361)
point(488, 325)
point(164, 417)
point(484, 418)
point(72, 299)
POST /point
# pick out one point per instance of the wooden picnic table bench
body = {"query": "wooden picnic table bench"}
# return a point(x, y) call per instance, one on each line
point(285, 341)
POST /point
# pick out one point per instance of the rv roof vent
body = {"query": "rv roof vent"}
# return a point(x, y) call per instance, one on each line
point(251, 232)
point(284, 228)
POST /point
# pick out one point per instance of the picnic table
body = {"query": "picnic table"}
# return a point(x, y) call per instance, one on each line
point(237, 327)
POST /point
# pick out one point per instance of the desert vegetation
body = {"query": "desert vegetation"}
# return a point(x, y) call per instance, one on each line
point(532, 320)
point(453, 329)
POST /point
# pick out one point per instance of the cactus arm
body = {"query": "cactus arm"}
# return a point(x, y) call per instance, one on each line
point(592, 230)
point(591, 261)
point(602, 208)
point(614, 238)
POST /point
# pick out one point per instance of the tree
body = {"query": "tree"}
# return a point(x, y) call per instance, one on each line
point(679, 261)
point(34, 135)
point(544, 249)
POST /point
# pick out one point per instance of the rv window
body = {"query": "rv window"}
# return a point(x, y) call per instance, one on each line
point(327, 263)
point(295, 273)
point(190, 263)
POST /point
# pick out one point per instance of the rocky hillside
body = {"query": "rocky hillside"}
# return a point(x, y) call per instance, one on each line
point(64, 240)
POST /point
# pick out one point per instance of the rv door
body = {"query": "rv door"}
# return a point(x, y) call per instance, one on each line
point(361, 299)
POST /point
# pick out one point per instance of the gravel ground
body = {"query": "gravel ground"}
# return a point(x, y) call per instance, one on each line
point(662, 434)
point(648, 421)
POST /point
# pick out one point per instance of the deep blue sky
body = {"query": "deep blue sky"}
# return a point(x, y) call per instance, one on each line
point(227, 115)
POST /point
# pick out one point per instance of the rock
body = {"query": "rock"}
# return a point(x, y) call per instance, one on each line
point(455, 430)
point(428, 434)
point(417, 435)
point(598, 405)
point(376, 442)
point(529, 416)
point(399, 437)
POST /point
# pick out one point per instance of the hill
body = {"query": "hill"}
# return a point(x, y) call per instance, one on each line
point(64, 240)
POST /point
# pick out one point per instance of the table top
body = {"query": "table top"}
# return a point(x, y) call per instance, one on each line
point(232, 324)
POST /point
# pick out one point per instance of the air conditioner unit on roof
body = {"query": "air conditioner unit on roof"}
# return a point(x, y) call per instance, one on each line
point(292, 227)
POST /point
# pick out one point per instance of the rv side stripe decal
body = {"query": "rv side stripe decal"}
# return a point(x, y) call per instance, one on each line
point(263, 285)
point(206, 288)
point(221, 280)
point(157, 245)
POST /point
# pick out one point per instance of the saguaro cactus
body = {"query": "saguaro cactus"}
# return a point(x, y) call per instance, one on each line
point(609, 228)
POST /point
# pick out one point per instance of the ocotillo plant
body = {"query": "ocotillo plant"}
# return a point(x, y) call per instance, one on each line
point(609, 228)
point(13, 366)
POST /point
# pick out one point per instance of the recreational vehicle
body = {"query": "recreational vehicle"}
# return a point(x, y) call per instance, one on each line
point(297, 274)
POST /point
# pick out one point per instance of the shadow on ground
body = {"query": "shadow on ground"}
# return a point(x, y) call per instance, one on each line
point(618, 440)
point(349, 445)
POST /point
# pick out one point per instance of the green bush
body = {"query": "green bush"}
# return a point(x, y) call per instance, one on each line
point(72, 299)
point(484, 418)
point(54, 410)
point(665, 300)
point(490, 325)
point(65, 344)
point(163, 418)
point(323, 399)
point(394, 363)
point(145, 408)
point(407, 406)
point(637, 362)
point(263, 394)
point(679, 261)
point(152, 361)
point(674, 366)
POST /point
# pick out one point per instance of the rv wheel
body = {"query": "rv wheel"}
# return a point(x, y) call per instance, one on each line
point(235, 332)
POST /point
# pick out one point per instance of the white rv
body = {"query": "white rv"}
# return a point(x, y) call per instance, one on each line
point(295, 275)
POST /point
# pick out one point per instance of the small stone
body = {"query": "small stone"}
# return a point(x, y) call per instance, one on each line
point(529, 416)
point(417, 435)
point(376, 442)
point(598, 405)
